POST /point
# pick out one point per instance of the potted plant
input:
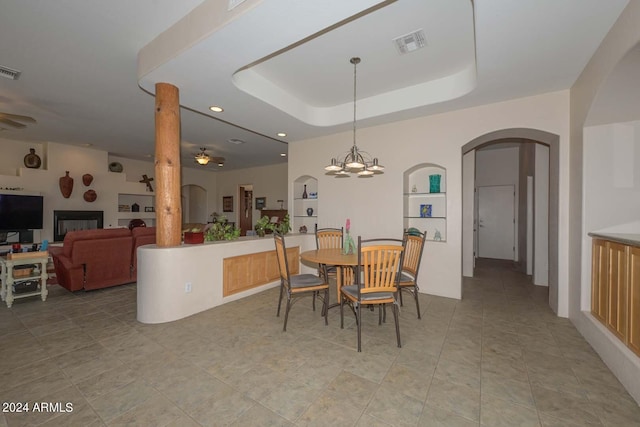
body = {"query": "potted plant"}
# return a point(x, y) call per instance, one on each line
point(194, 236)
point(221, 231)
point(285, 225)
point(262, 225)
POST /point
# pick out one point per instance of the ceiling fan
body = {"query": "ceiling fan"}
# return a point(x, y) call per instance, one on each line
point(202, 158)
point(14, 120)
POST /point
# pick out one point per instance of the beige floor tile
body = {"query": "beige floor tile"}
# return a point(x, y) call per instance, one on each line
point(156, 411)
point(498, 354)
point(118, 401)
point(456, 398)
point(497, 412)
point(433, 416)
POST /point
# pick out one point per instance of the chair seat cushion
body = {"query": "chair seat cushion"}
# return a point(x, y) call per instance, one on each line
point(404, 277)
point(305, 281)
point(352, 290)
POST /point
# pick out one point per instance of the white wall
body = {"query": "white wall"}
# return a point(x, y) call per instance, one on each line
point(267, 181)
point(500, 166)
point(468, 212)
point(375, 205)
point(611, 179)
point(622, 37)
point(541, 216)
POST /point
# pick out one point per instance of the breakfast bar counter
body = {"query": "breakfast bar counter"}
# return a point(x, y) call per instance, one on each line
point(179, 281)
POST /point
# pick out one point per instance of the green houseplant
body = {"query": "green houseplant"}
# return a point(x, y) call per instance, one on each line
point(262, 225)
point(221, 231)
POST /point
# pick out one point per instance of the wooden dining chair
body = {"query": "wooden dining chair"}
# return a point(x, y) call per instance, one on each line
point(328, 238)
point(297, 285)
point(376, 277)
point(412, 258)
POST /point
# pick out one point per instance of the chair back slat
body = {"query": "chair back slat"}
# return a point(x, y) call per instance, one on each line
point(281, 254)
point(329, 238)
point(414, 246)
point(380, 265)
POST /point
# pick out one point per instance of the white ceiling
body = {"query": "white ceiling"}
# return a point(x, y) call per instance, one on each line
point(80, 74)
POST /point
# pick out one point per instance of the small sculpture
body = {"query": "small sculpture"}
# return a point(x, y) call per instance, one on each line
point(303, 229)
point(147, 181)
point(436, 236)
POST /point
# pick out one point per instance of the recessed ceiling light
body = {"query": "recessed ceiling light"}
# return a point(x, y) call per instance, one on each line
point(216, 109)
point(282, 134)
point(220, 164)
point(86, 144)
point(283, 154)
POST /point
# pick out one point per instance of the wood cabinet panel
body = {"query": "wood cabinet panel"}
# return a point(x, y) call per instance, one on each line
point(634, 299)
point(617, 290)
point(599, 267)
point(252, 270)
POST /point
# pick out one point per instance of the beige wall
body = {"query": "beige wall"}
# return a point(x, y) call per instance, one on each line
point(622, 37)
point(267, 181)
point(375, 205)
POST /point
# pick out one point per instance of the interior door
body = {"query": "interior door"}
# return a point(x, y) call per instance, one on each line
point(246, 209)
point(496, 222)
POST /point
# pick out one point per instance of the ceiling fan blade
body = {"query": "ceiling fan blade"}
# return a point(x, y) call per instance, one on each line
point(12, 123)
point(17, 117)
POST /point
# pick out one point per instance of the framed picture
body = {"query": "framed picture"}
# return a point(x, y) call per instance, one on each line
point(227, 204)
point(149, 209)
point(425, 211)
point(261, 203)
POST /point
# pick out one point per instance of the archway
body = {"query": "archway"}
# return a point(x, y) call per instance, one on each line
point(523, 135)
point(194, 204)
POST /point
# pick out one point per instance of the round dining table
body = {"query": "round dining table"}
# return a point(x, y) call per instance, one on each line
point(334, 257)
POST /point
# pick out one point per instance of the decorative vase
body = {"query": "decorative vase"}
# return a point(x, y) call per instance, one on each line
point(32, 160)
point(90, 196)
point(66, 185)
point(349, 245)
point(434, 183)
point(309, 211)
point(115, 167)
point(304, 193)
point(87, 179)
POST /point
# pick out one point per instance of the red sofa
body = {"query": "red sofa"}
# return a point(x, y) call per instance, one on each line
point(95, 259)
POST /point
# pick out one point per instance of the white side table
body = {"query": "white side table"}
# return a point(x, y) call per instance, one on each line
point(7, 264)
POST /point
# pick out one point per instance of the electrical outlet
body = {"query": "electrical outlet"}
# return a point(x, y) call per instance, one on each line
point(187, 287)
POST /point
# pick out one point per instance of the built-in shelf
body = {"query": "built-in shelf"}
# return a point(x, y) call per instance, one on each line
point(425, 208)
point(301, 204)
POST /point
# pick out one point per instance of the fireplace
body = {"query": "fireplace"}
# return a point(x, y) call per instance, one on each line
point(64, 221)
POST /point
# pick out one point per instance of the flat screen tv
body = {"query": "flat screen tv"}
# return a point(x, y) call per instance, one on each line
point(20, 212)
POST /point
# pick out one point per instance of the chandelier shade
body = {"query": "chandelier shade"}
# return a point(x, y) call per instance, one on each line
point(355, 160)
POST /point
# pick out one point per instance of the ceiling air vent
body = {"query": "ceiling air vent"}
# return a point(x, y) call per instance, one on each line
point(235, 141)
point(410, 42)
point(9, 73)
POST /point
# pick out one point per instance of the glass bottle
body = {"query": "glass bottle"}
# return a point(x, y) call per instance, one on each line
point(304, 193)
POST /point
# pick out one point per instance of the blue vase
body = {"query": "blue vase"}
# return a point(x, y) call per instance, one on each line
point(434, 183)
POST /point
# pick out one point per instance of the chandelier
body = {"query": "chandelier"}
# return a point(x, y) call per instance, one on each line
point(355, 160)
point(202, 158)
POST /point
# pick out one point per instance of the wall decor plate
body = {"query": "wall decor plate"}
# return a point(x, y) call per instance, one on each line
point(115, 167)
point(32, 160)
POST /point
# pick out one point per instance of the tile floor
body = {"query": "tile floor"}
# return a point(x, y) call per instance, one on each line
point(499, 357)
